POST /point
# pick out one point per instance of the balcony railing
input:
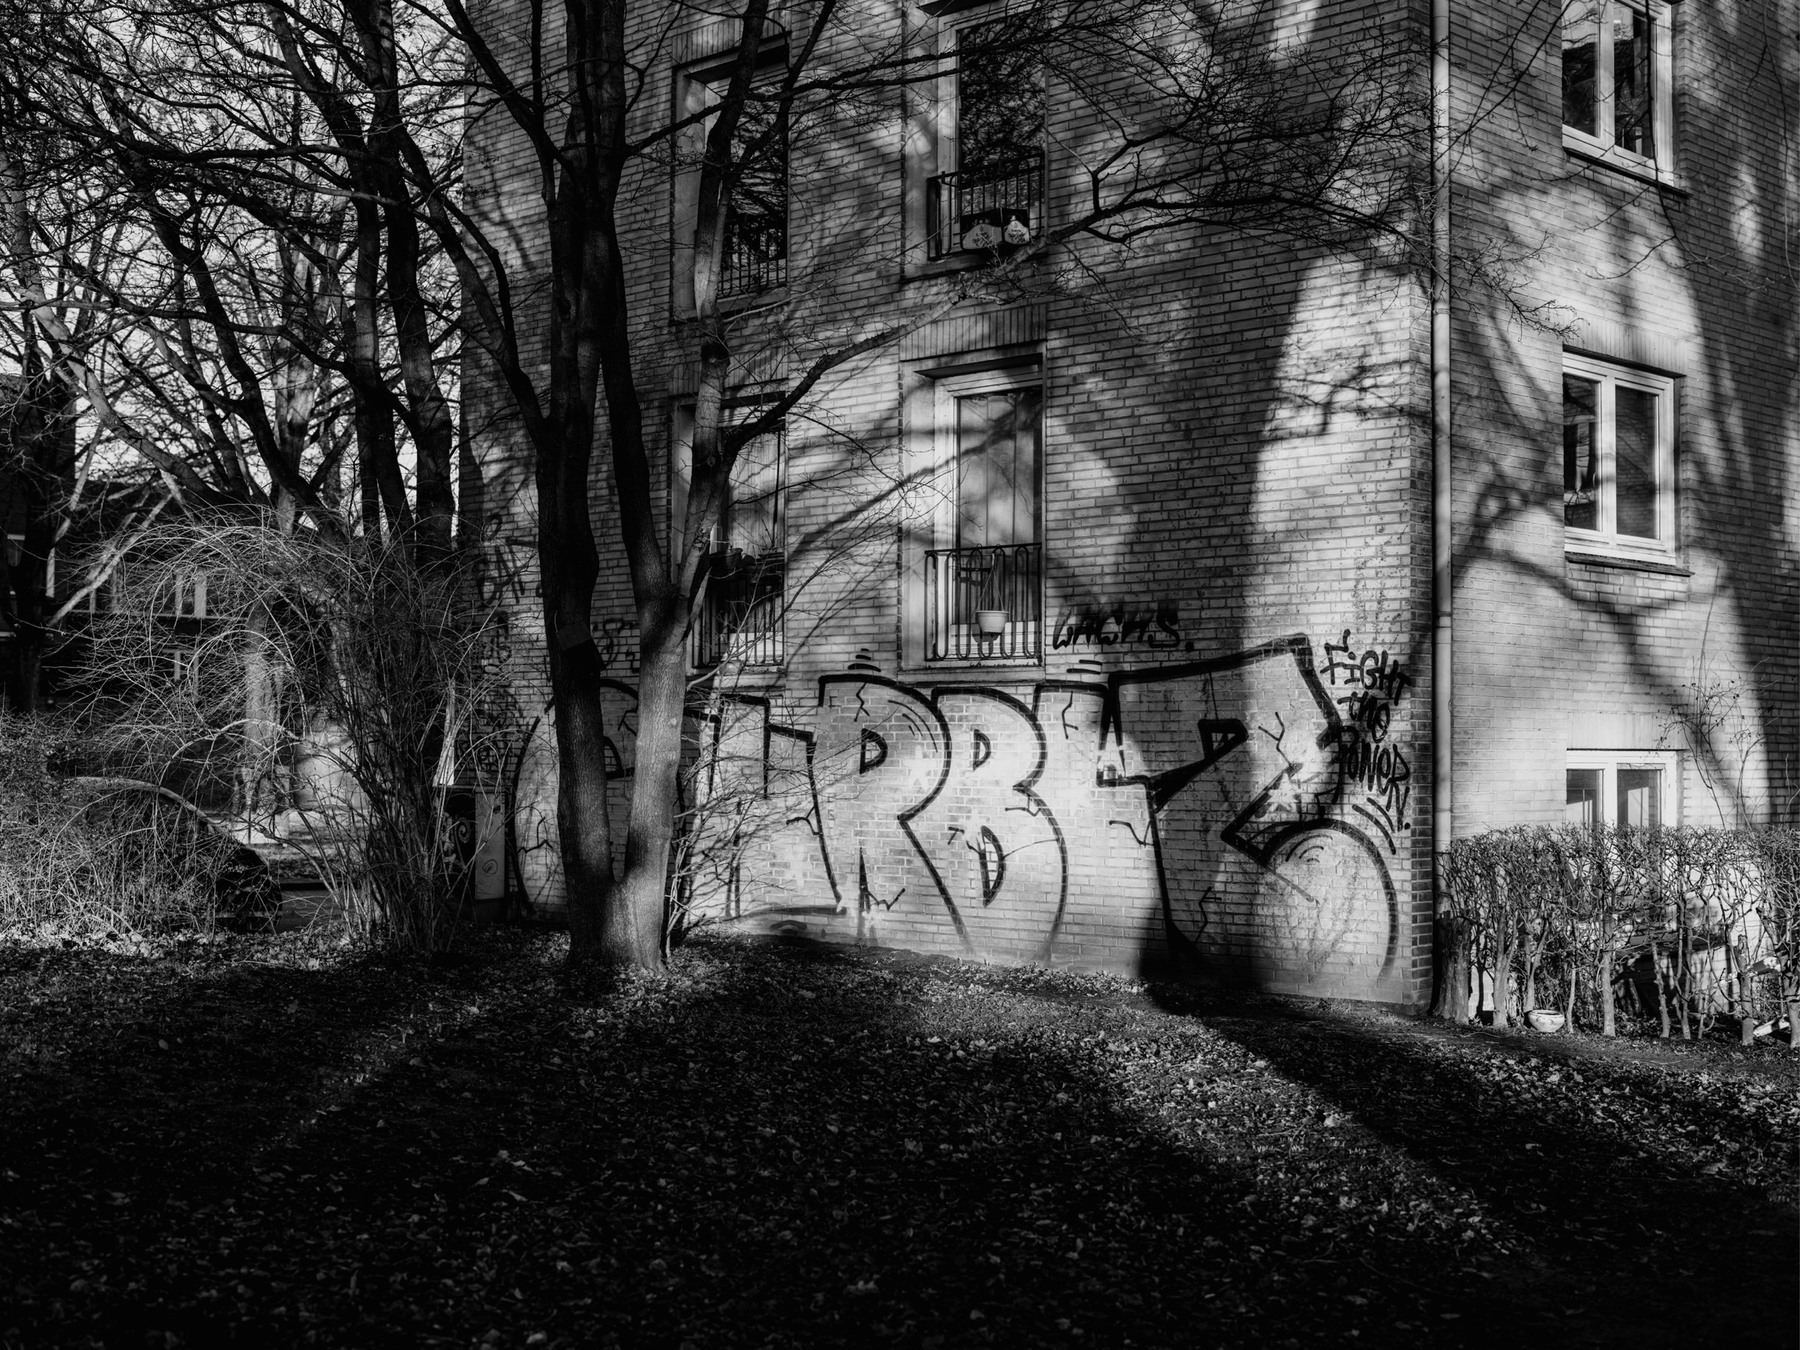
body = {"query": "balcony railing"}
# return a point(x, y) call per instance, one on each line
point(755, 254)
point(986, 210)
point(984, 604)
point(740, 619)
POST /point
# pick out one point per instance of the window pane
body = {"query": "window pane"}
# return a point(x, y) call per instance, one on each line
point(1631, 80)
point(1584, 798)
point(756, 215)
point(755, 523)
point(1640, 798)
point(1634, 462)
point(996, 468)
point(999, 97)
point(1581, 466)
point(1580, 45)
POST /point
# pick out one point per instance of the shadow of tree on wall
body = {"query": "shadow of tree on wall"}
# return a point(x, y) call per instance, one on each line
point(1709, 657)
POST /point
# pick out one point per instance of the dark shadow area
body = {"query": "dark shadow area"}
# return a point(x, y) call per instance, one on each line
point(779, 1146)
point(1627, 1246)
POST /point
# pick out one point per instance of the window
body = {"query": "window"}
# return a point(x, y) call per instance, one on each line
point(754, 254)
point(1618, 457)
point(1617, 74)
point(1621, 787)
point(983, 574)
point(740, 619)
point(987, 195)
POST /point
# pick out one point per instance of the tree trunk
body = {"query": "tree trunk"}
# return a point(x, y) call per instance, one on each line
point(1503, 959)
point(1450, 1002)
point(1662, 991)
point(1608, 1017)
point(1746, 992)
point(634, 921)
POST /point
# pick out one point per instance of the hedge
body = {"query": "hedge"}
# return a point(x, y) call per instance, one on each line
point(1691, 925)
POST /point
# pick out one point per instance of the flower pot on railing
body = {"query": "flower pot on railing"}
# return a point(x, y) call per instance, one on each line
point(990, 623)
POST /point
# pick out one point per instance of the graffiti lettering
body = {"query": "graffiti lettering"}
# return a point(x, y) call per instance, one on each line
point(1372, 686)
point(1205, 804)
point(1159, 627)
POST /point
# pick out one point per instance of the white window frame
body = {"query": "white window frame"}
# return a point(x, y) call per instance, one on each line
point(1609, 762)
point(946, 390)
point(940, 482)
point(932, 141)
point(1600, 145)
point(1606, 539)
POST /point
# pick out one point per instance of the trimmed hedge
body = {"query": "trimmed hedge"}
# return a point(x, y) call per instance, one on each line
point(1688, 925)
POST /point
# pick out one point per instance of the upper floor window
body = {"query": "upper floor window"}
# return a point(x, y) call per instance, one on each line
point(754, 253)
point(987, 193)
point(1617, 90)
point(1618, 457)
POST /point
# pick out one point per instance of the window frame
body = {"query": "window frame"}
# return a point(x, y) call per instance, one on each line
point(1605, 539)
point(681, 431)
point(1610, 762)
point(939, 532)
point(1600, 145)
point(933, 143)
point(695, 87)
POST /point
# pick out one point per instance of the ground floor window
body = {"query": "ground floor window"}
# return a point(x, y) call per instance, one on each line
point(1621, 787)
point(741, 614)
point(984, 578)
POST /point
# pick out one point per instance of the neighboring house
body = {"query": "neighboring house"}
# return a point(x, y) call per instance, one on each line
point(1100, 627)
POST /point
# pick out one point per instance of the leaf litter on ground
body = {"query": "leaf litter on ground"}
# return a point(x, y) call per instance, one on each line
point(284, 1141)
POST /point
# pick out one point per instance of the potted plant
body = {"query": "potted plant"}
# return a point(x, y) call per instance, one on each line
point(990, 623)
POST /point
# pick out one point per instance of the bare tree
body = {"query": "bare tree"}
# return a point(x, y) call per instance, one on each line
point(1199, 117)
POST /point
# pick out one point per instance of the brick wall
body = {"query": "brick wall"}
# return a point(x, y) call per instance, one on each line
point(1688, 279)
point(1221, 763)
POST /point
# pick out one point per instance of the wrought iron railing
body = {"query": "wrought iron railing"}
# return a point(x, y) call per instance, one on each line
point(740, 618)
point(990, 209)
point(755, 254)
point(984, 604)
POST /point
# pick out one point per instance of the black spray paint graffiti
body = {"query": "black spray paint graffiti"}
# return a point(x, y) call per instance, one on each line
point(1203, 804)
point(1158, 627)
point(1368, 686)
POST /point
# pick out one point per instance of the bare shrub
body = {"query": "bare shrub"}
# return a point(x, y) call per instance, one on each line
point(91, 856)
point(320, 693)
point(1706, 918)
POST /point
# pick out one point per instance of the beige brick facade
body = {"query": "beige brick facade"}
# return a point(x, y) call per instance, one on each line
point(1220, 759)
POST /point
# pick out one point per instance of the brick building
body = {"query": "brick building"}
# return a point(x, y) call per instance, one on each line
point(1094, 620)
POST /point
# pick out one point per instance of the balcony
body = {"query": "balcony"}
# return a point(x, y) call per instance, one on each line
point(988, 210)
point(755, 260)
point(740, 619)
point(984, 604)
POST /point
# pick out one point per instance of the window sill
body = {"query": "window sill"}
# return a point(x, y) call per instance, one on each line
point(1621, 162)
point(973, 672)
point(734, 305)
point(1666, 565)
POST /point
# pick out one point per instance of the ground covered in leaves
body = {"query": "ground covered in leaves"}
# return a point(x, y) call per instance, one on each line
point(272, 1141)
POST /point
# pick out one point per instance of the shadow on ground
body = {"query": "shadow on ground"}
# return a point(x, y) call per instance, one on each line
point(775, 1147)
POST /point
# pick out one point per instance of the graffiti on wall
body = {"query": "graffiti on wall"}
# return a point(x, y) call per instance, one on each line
point(1241, 810)
point(1210, 806)
point(1154, 626)
point(1368, 685)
